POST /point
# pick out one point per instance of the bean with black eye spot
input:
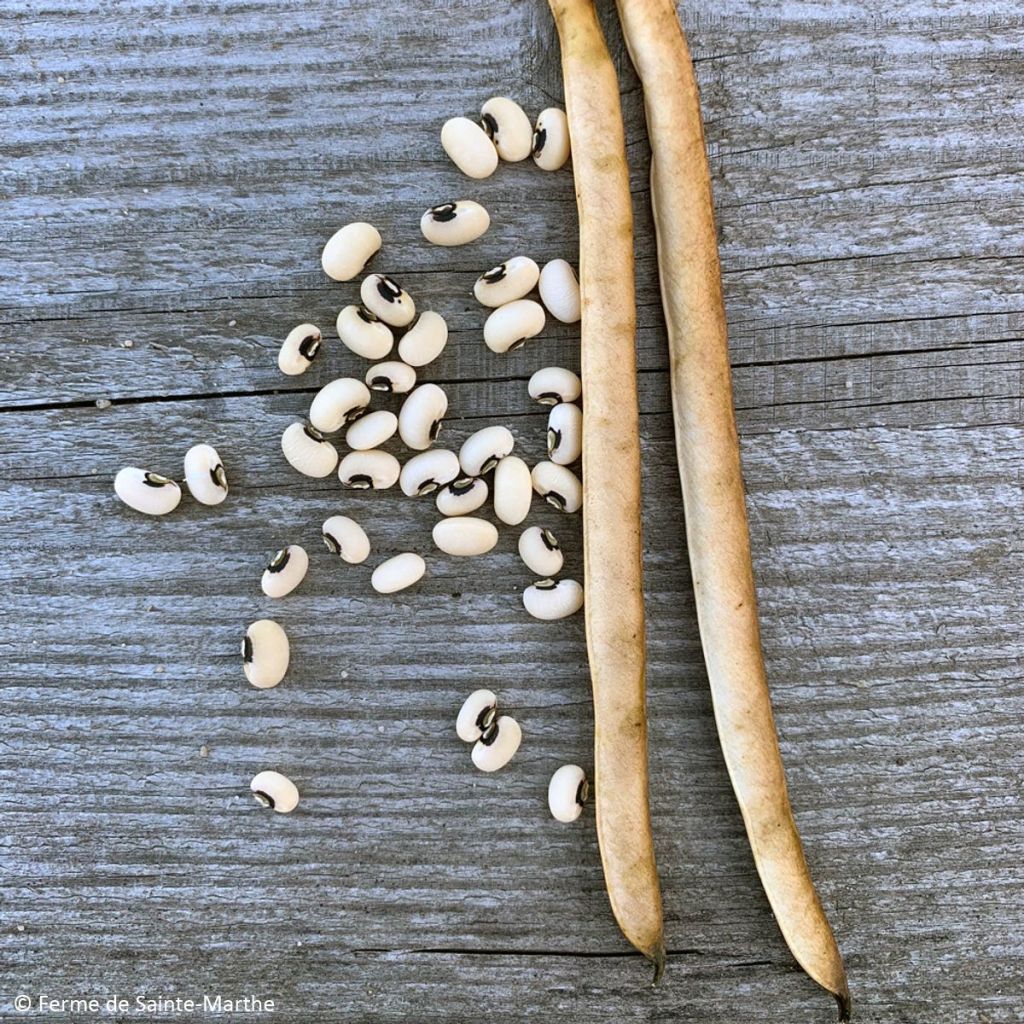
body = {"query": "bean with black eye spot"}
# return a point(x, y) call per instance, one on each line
point(338, 403)
point(540, 551)
point(568, 791)
point(559, 486)
point(364, 333)
point(483, 450)
point(345, 538)
point(462, 496)
point(349, 249)
point(391, 378)
point(146, 492)
point(265, 654)
point(275, 791)
point(511, 325)
point(508, 127)
point(476, 716)
point(469, 146)
point(498, 745)
point(387, 300)
point(421, 416)
point(366, 470)
point(299, 349)
point(286, 570)
point(308, 451)
point(455, 223)
point(426, 472)
point(551, 139)
point(553, 384)
point(550, 600)
point(204, 474)
point(506, 282)
point(565, 433)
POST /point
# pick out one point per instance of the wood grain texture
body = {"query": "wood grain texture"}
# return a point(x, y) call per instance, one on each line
point(169, 175)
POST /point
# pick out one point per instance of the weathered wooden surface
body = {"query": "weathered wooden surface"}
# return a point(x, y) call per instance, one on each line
point(169, 175)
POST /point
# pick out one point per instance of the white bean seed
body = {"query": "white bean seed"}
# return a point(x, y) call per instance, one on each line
point(349, 250)
point(549, 600)
point(498, 745)
point(204, 474)
point(265, 654)
point(568, 791)
point(426, 472)
point(364, 333)
point(476, 716)
point(508, 127)
point(482, 451)
point(553, 385)
point(509, 326)
point(421, 416)
point(398, 573)
point(512, 490)
point(506, 282)
point(299, 349)
point(371, 469)
point(387, 300)
point(540, 551)
point(469, 147)
point(338, 403)
point(565, 433)
point(275, 791)
point(345, 538)
point(146, 492)
point(371, 430)
point(391, 377)
point(425, 340)
point(462, 496)
point(465, 536)
point(558, 486)
point(455, 223)
point(551, 139)
point(308, 451)
point(560, 291)
point(287, 569)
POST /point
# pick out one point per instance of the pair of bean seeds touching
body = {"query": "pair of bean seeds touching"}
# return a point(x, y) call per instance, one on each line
point(156, 495)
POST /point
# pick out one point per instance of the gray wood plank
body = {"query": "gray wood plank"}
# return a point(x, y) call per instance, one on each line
point(169, 175)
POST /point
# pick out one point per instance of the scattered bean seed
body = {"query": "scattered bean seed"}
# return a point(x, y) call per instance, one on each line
point(265, 654)
point(506, 282)
point(349, 250)
point(548, 599)
point(275, 791)
point(387, 300)
point(511, 325)
point(551, 139)
point(345, 538)
point(462, 496)
point(508, 127)
point(425, 340)
point(370, 469)
point(540, 551)
point(392, 377)
point(560, 291)
point(421, 416)
point(558, 486)
point(465, 536)
point(426, 472)
point(308, 451)
point(482, 451)
point(338, 403)
point(565, 433)
point(476, 716)
point(146, 492)
point(498, 745)
point(287, 569)
point(512, 490)
point(568, 791)
point(553, 385)
point(398, 573)
point(364, 333)
point(371, 430)
point(299, 349)
point(204, 474)
point(469, 147)
point(455, 223)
